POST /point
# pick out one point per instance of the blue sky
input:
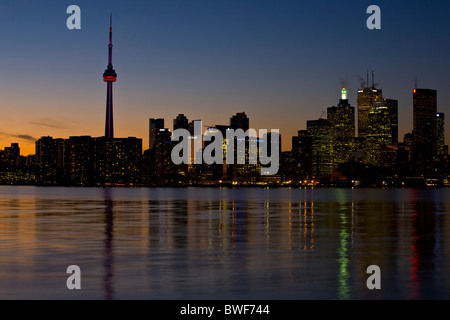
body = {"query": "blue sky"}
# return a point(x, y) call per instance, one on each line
point(282, 62)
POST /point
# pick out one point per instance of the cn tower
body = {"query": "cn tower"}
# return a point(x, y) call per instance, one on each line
point(109, 76)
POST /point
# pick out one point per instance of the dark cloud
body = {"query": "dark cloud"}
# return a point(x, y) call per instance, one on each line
point(50, 124)
point(25, 137)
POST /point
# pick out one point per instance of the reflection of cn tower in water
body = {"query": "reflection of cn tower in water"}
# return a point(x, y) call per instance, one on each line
point(108, 275)
point(109, 76)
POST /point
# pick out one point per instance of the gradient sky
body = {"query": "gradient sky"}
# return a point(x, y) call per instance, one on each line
point(282, 62)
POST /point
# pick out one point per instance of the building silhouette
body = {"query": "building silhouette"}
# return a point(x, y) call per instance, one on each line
point(180, 122)
point(424, 129)
point(342, 122)
point(441, 148)
point(155, 125)
point(322, 147)
point(240, 121)
point(366, 98)
point(49, 161)
point(379, 134)
point(88, 161)
point(302, 153)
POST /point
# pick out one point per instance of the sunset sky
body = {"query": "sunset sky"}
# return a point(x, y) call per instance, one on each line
point(282, 62)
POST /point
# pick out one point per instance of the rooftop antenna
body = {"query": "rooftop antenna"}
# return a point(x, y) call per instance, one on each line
point(367, 83)
point(373, 79)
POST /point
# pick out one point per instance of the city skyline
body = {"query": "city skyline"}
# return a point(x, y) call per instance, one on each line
point(264, 70)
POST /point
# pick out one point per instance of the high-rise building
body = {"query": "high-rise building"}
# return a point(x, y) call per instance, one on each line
point(405, 164)
point(180, 122)
point(79, 161)
point(424, 129)
point(440, 135)
point(109, 76)
point(195, 128)
point(49, 162)
point(154, 125)
point(126, 161)
point(379, 132)
point(269, 138)
point(441, 159)
point(392, 107)
point(342, 121)
point(165, 169)
point(302, 149)
point(366, 98)
point(322, 147)
point(240, 121)
point(12, 155)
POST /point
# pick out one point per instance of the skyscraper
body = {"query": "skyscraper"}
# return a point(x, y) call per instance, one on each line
point(302, 149)
point(49, 162)
point(109, 76)
point(424, 128)
point(240, 121)
point(392, 107)
point(378, 132)
point(180, 122)
point(441, 148)
point(342, 121)
point(322, 147)
point(79, 161)
point(440, 134)
point(154, 125)
point(366, 98)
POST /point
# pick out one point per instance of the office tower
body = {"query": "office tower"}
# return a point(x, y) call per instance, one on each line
point(366, 97)
point(379, 132)
point(405, 159)
point(155, 125)
point(109, 76)
point(215, 171)
point(302, 149)
point(246, 169)
point(441, 159)
point(240, 121)
point(49, 161)
point(195, 128)
point(424, 129)
point(268, 138)
point(165, 169)
point(342, 121)
point(440, 134)
point(342, 117)
point(392, 107)
point(322, 147)
point(180, 122)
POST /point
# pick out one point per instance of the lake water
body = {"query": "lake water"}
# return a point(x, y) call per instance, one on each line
point(211, 243)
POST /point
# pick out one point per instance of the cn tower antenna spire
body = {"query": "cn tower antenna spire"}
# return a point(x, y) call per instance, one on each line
point(110, 41)
point(109, 76)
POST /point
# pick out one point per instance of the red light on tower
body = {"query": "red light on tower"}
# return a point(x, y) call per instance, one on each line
point(109, 79)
